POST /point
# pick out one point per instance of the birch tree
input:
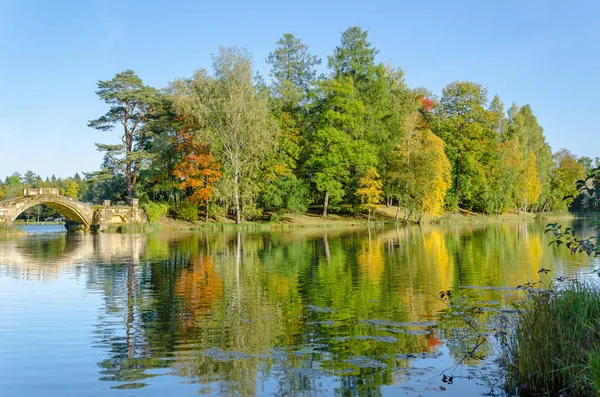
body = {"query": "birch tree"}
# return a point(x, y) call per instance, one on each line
point(233, 118)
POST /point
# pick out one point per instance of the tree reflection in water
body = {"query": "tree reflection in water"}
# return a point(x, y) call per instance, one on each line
point(343, 311)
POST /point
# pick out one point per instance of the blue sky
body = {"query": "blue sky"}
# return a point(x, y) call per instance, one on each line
point(52, 53)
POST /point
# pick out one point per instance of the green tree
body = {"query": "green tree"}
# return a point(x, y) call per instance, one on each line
point(587, 164)
point(30, 179)
point(293, 72)
point(354, 57)
point(567, 171)
point(12, 186)
point(463, 123)
point(293, 77)
point(234, 120)
point(499, 122)
point(336, 142)
point(70, 188)
point(132, 105)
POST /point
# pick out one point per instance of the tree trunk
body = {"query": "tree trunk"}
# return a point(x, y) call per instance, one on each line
point(325, 203)
point(236, 197)
point(369, 216)
point(129, 191)
point(206, 209)
point(397, 213)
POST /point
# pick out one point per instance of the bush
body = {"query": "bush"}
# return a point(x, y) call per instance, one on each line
point(155, 210)
point(187, 211)
point(554, 344)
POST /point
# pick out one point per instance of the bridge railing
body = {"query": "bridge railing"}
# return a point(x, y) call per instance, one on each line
point(40, 191)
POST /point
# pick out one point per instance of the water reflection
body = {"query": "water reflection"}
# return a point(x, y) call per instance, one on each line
point(310, 312)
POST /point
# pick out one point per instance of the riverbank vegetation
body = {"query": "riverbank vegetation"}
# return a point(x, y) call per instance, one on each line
point(225, 144)
point(554, 348)
point(554, 345)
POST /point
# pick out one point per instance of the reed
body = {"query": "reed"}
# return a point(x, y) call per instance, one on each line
point(553, 347)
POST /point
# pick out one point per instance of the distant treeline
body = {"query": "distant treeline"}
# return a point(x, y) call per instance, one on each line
point(226, 143)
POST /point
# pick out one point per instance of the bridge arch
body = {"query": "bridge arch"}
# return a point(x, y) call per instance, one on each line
point(72, 210)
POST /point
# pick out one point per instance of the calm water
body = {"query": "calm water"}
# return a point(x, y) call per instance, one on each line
point(308, 312)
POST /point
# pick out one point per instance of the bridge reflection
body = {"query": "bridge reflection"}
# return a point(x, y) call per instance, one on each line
point(43, 256)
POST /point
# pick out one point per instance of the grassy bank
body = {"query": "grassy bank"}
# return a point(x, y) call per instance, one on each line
point(553, 347)
point(383, 215)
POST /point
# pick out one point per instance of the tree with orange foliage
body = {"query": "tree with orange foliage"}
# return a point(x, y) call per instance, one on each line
point(197, 171)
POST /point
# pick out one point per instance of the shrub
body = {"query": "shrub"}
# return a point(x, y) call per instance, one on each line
point(554, 344)
point(187, 211)
point(155, 210)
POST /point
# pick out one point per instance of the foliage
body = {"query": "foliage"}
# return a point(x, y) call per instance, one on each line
point(462, 122)
point(567, 170)
point(293, 72)
point(132, 105)
point(155, 210)
point(531, 185)
point(336, 145)
point(238, 146)
point(236, 121)
point(369, 190)
point(187, 211)
point(198, 170)
point(554, 345)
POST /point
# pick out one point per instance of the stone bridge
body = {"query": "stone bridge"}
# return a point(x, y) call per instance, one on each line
point(88, 217)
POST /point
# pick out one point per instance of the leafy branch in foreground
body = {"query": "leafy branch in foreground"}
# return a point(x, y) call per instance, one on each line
point(589, 195)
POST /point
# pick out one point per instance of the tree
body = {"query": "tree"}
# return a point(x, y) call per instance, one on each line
point(423, 175)
point(132, 105)
point(29, 179)
point(2, 194)
point(70, 188)
point(336, 139)
point(354, 57)
point(293, 72)
point(294, 75)
point(234, 119)
point(463, 123)
point(198, 171)
point(531, 185)
point(12, 186)
point(587, 164)
point(499, 123)
point(523, 125)
point(369, 190)
point(567, 170)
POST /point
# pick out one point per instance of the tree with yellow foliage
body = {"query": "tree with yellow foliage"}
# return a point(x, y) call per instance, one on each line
point(440, 174)
point(369, 190)
point(532, 188)
point(423, 174)
point(70, 188)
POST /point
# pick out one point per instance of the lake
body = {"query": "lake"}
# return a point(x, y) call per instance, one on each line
point(312, 311)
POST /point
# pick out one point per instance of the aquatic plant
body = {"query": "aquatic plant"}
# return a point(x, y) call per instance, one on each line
point(553, 346)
